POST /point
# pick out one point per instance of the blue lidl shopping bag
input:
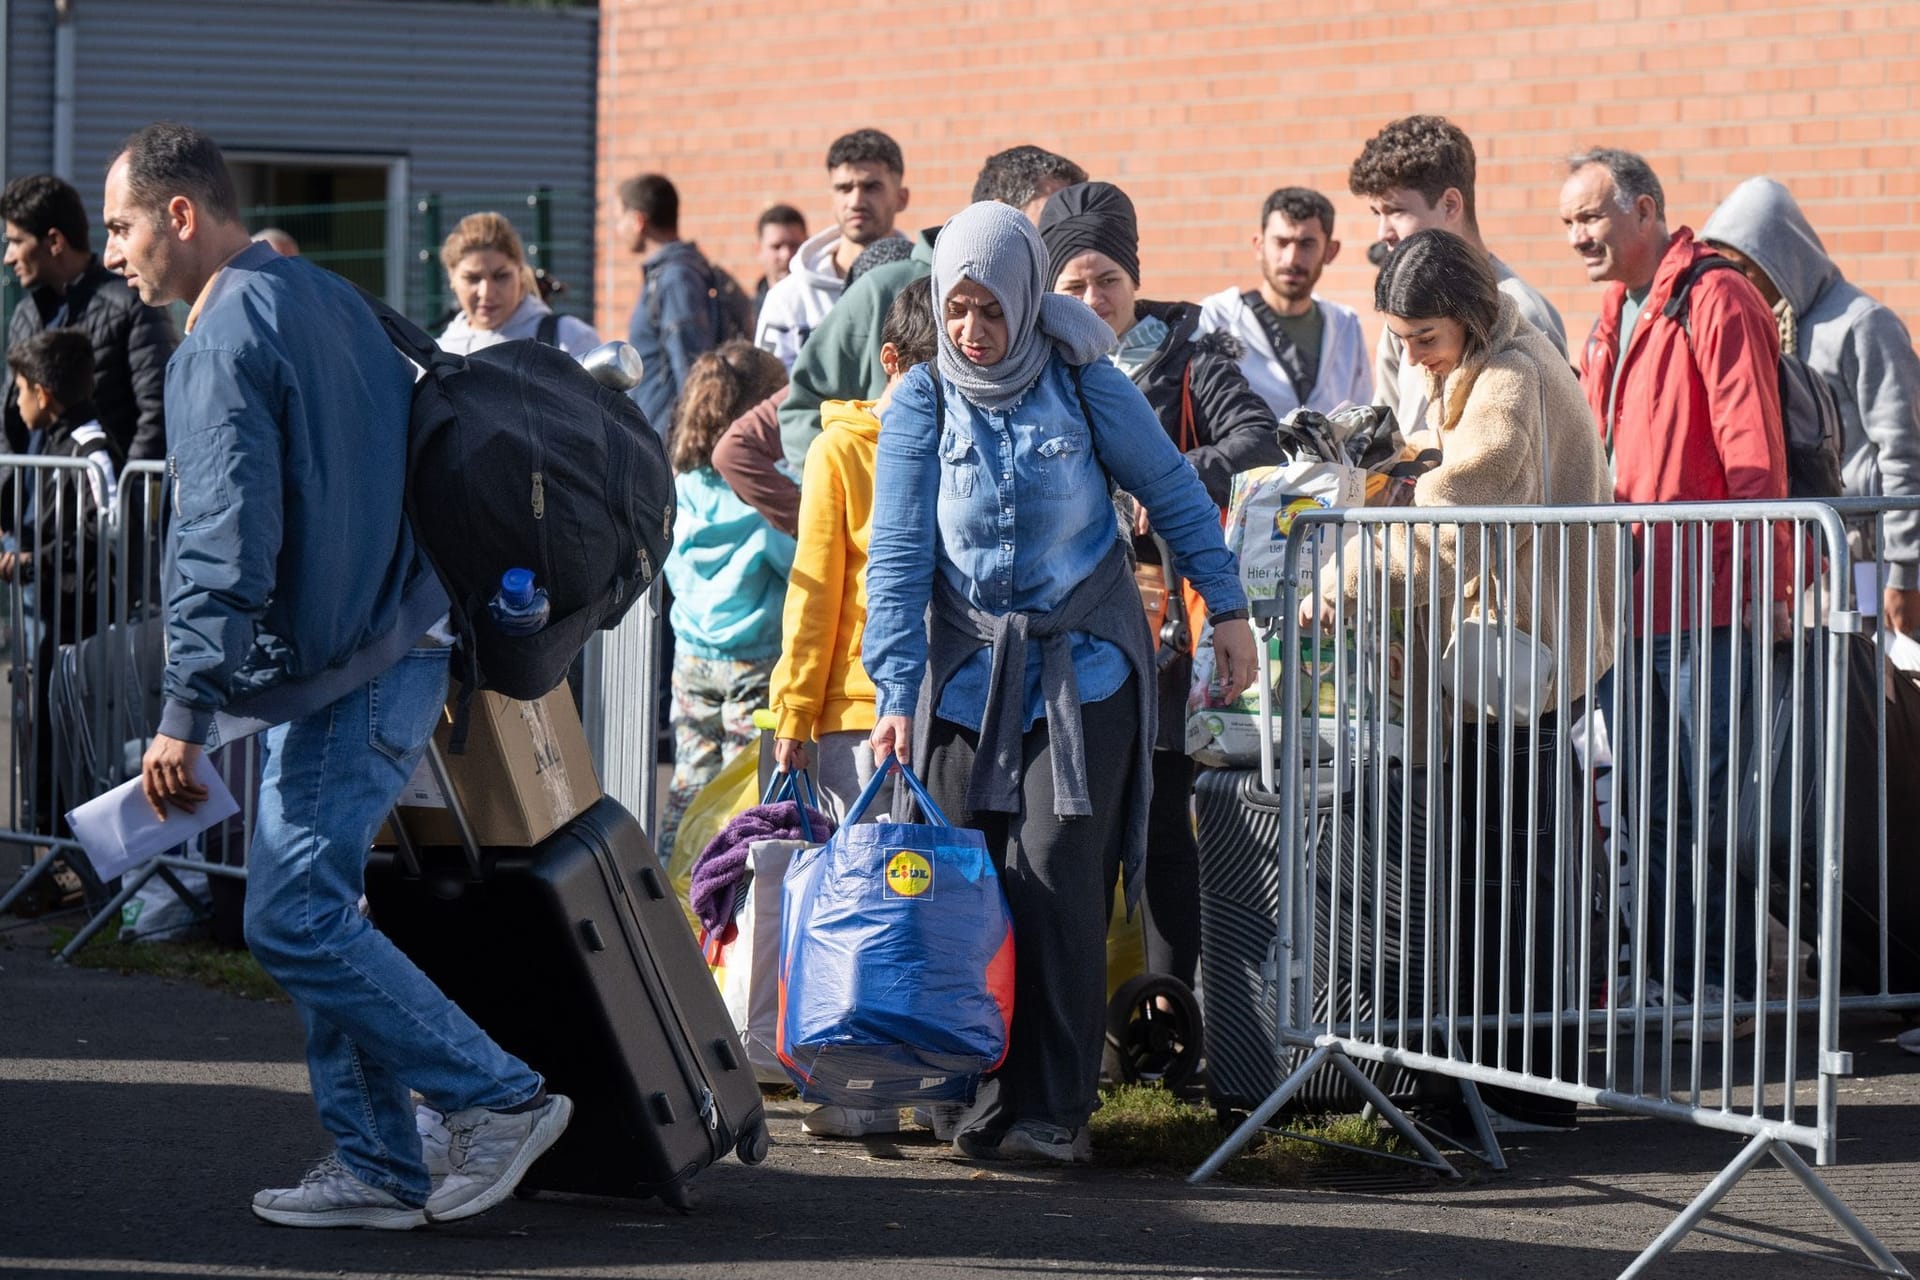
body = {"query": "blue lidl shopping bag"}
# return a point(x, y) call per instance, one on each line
point(896, 961)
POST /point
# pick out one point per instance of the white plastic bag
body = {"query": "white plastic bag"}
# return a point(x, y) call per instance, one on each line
point(748, 969)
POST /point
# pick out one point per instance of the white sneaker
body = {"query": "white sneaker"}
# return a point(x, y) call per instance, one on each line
point(850, 1122)
point(434, 1141)
point(1038, 1141)
point(489, 1152)
point(942, 1117)
point(1713, 999)
point(1909, 1040)
point(331, 1196)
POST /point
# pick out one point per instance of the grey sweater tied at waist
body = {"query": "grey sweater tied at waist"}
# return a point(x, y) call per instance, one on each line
point(1106, 606)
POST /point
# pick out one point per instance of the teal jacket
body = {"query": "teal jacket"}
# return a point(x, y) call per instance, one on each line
point(728, 570)
point(841, 358)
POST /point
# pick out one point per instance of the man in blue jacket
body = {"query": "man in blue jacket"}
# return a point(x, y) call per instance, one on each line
point(298, 603)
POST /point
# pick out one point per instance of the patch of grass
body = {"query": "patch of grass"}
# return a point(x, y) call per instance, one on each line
point(1147, 1128)
point(196, 961)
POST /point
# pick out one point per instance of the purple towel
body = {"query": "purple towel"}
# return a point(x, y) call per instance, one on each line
point(722, 864)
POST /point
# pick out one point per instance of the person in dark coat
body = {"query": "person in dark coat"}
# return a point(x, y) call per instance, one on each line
point(49, 250)
point(1194, 385)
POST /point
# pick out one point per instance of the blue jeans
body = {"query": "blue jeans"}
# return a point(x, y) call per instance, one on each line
point(376, 1026)
point(1698, 841)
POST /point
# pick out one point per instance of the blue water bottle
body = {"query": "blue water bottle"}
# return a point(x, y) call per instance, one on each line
point(519, 608)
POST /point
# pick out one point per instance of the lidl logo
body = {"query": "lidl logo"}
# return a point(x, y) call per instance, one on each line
point(1283, 519)
point(909, 875)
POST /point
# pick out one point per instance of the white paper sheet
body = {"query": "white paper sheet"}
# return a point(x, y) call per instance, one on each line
point(119, 832)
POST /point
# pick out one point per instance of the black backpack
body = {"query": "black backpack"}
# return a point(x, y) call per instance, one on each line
point(517, 458)
point(730, 309)
point(1809, 412)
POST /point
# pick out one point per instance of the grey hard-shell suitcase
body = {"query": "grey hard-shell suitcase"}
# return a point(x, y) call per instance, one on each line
point(1239, 835)
point(574, 956)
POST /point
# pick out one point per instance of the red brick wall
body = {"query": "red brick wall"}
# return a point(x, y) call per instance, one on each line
point(1199, 110)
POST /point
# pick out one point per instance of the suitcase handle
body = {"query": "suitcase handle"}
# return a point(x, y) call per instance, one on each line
point(469, 846)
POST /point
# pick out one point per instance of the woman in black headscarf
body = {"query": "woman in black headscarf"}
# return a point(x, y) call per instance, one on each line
point(1194, 385)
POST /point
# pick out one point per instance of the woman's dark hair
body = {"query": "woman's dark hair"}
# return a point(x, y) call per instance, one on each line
point(1436, 273)
point(910, 325)
point(721, 386)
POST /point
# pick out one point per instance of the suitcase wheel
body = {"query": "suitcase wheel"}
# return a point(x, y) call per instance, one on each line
point(1153, 1031)
point(677, 1196)
point(753, 1144)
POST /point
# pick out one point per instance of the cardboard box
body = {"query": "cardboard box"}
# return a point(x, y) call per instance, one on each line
point(526, 773)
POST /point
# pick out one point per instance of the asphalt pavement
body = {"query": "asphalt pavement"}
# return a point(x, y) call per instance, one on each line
point(138, 1116)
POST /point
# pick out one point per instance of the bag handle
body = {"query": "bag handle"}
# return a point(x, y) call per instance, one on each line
point(785, 785)
point(872, 789)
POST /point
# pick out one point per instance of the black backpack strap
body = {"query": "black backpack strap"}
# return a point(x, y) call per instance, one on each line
point(548, 334)
point(413, 342)
point(1284, 350)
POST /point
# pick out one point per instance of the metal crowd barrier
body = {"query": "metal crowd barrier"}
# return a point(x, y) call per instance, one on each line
point(1545, 891)
point(85, 668)
point(621, 707)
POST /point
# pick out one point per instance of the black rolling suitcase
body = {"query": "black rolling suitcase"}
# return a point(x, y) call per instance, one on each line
point(1239, 836)
point(575, 956)
point(1870, 679)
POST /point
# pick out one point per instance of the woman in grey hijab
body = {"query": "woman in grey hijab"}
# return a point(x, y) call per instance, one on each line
point(1009, 655)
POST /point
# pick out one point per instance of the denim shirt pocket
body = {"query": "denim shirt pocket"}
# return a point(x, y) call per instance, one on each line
point(1061, 463)
point(958, 462)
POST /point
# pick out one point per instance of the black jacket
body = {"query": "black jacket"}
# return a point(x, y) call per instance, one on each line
point(1233, 427)
point(62, 531)
point(131, 344)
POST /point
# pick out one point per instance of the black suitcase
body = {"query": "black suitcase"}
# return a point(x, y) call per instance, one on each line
point(575, 956)
point(1239, 835)
point(1870, 680)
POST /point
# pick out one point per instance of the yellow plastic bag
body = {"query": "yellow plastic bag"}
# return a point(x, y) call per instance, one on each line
point(1126, 943)
point(733, 791)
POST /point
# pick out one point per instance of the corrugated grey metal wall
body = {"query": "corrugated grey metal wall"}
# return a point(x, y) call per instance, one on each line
point(29, 105)
point(477, 98)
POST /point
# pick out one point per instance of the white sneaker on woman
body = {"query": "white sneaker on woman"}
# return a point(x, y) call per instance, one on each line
point(850, 1122)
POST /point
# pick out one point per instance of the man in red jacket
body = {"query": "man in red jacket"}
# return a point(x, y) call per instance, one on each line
point(1689, 405)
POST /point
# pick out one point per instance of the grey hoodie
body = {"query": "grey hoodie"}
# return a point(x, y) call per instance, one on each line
point(1860, 346)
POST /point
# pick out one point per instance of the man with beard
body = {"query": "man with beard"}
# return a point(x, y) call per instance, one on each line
point(866, 170)
point(1298, 349)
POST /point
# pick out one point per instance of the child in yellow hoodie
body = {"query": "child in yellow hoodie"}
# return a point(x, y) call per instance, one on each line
point(821, 693)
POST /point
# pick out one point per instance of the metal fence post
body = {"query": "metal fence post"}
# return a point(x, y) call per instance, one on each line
point(428, 209)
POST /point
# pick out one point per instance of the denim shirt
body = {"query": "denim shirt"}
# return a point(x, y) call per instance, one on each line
point(1012, 507)
point(672, 326)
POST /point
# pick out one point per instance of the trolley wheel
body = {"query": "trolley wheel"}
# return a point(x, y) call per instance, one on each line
point(753, 1144)
point(1154, 1032)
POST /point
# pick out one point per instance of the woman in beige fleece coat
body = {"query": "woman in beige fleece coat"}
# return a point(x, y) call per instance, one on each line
point(1495, 385)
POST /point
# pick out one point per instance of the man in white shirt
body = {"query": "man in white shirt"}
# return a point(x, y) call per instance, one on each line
point(1415, 174)
point(1299, 349)
point(866, 171)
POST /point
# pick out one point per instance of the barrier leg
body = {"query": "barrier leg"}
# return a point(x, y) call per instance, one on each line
point(1868, 1243)
point(1393, 1115)
point(1489, 1151)
point(1750, 1155)
point(27, 880)
point(1261, 1114)
point(130, 884)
